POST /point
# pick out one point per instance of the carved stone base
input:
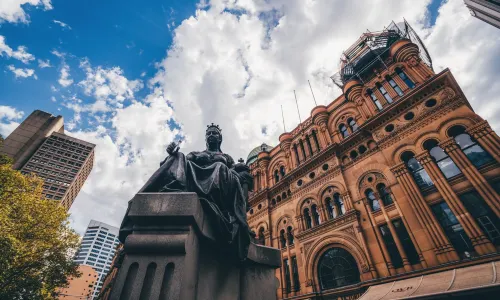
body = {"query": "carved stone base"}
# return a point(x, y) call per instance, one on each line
point(171, 252)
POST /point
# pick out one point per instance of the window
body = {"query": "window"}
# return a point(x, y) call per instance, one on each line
point(288, 283)
point(372, 200)
point(405, 78)
point(329, 207)
point(406, 241)
point(444, 162)
point(390, 244)
point(375, 99)
point(339, 204)
point(282, 171)
point(394, 85)
point(307, 218)
point(385, 196)
point(261, 237)
point(296, 153)
point(315, 214)
point(418, 172)
point(302, 148)
point(282, 238)
point(474, 152)
point(343, 130)
point(289, 233)
point(384, 93)
point(483, 214)
point(337, 268)
point(315, 138)
point(309, 146)
point(276, 176)
point(352, 124)
point(295, 274)
point(452, 228)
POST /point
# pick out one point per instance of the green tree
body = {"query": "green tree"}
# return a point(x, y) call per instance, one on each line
point(4, 159)
point(35, 239)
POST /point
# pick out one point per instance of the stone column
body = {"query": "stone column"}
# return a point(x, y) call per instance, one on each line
point(390, 90)
point(400, 82)
point(442, 247)
point(479, 240)
point(380, 97)
point(487, 138)
point(346, 198)
point(320, 117)
point(363, 110)
point(300, 222)
point(472, 174)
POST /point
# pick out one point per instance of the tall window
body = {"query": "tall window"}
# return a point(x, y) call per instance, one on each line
point(406, 241)
point(474, 152)
point(315, 213)
point(394, 85)
point(339, 204)
point(405, 78)
point(307, 218)
point(375, 99)
point(301, 143)
point(337, 268)
point(444, 162)
point(452, 228)
point(282, 171)
point(385, 196)
point(276, 176)
point(315, 138)
point(296, 153)
point(309, 146)
point(483, 214)
point(372, 200)
point(295, 274)
point(288, 283)
point(329, 207)
point(418, 172)
point(390, 244)
point(289, 234)
point(384, 93)
point(352, 124)
point(343, 130)
point(282, 238)
point(261, 237)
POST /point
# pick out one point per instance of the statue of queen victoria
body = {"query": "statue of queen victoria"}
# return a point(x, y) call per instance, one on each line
point(221, 184)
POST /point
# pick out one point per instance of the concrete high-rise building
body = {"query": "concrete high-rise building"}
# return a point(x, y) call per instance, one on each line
point(485, 10)
point(80, 287)
point(98, 249)
point(39, 145)
point(390, 191)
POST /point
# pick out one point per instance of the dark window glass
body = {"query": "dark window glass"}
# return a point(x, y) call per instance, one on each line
point(405, 78)
point(390, 244)
point(406, 241)
point(474, 152)
point(452, 228)
point(282, 238)
point(352, 124)
point(339, 204)
point(295, 274)
point(288, 283)
point(317, 219)
point(290, 237)
point(483, 214)
point(419, 174)
point(394, 85)
point(307, 218)
point(375, 100)
point(302, 148)
point(315, 138)
point(309, 146)
point(385, 196)
point(282, 171)
point(262, 238)
point(329, 207)
point(343, 130)
point(337, 268)
point(372, 200)
point(296, 153)
point(444, 162)
point(384, 93)
point(276, 176)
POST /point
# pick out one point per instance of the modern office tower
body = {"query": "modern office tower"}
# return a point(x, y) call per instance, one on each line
point(98, 249)
point(80, 287)
point(486, 10)
point(391, 191)
point(39, 145)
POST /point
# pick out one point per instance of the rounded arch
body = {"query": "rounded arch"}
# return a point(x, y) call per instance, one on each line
point(264, 225)
point(311, 129)
point(421, 139)
point(393, 67)
point(280, 224)
point(335, 185)
point(464, 121)
point(372, 168)
point(300, 204)
point(349, 109)
point(337, 239)
point(396, 155)
point(276, 164)
point(370, 180)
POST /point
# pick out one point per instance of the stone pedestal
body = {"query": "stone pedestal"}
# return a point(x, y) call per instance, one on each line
point(172, 252)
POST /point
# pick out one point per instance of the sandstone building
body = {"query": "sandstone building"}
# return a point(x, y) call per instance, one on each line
point(39, 145)
point(80, 287)
point(397, 179)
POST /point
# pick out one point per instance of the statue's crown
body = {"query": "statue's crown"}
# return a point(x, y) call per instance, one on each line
point(216, 127)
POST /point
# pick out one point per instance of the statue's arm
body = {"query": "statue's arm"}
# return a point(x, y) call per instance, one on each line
point(192, 156)
point(230, 161)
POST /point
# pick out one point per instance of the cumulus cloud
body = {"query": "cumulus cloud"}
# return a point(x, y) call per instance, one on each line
point(62, 24)
point(8, 117)
point(65, 78)
point(22, 73)
point(44, 63)
point(20, 54)
point(13, 10)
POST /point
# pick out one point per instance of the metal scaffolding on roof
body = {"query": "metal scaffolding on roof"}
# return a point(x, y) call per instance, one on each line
point(371, 50)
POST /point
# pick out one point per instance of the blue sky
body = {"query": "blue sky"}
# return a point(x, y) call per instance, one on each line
point(131, 76)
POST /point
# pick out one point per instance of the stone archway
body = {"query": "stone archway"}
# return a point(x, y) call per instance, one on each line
point(337, 268)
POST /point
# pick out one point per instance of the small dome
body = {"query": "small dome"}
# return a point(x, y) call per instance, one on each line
point(252, 156)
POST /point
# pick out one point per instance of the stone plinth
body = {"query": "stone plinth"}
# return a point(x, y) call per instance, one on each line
point(171, 252)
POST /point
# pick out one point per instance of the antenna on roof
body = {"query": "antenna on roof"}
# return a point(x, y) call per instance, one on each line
point(314, 98)
point(300, 120)
point(283, 116)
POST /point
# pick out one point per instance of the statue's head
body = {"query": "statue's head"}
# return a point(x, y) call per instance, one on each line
point(213, 137)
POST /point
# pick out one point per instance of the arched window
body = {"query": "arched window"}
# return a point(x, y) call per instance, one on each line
point(375, 99)
point(307, 218)
point(337, 268)
point(343, 130)
point(353, 154)
point(474, 152)
point(405, 78)
point(384, 194)
point(276, 176)
point(418, 172)
point(394, 85)
point(297, 157)
point(329, 207)
point(261, 237)
point(309, 146)
point(273, 202)
point(352, 124)
point(315, 214)
point(290, 235)
point(301, 143)
point(282, 238)
point(339, 204)
point(278, 199)
point(384, 93)
point(444, 162)
point(282, 171)
point(315, 138)
point(372, 200)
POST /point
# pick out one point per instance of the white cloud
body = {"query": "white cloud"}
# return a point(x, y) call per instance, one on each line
point(64, 78)
point(20, 54)
point(62, 24)
point(13, 10)
point(22, 73)
point(44, 63)
point(8, 117)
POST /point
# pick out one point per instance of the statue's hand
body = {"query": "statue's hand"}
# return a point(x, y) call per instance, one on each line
point(171, 149)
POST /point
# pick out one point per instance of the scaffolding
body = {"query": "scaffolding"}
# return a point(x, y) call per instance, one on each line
point(371, 51)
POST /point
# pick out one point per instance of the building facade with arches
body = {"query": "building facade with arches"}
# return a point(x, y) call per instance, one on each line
point(398, 177)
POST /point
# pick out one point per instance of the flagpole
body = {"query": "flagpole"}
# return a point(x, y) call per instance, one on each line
point(283, 116)
point(314, 98)
point(297, 103)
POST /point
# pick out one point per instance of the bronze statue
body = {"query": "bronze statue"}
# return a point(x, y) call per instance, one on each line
point(220, 183)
